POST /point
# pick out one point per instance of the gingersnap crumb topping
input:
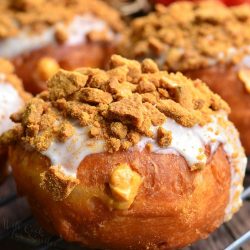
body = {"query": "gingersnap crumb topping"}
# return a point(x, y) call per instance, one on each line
point(37, 15)
point(57, 184)
point(164, 137)
point(190, 35)
point(115, 106)
point(7, 76)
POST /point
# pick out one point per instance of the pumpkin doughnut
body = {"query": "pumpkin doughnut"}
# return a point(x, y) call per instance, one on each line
point(128, 158)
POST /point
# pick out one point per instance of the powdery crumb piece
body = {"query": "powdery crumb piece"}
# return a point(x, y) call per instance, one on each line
point(134, 67)
point(244, 75)
point(149, 66)
point(65, 131)
point(164, 137)
point(33, 112)
point(121, 90)
point(113, 144)
point(93, 95)
point(134, 137)
point(46, 68)
point(124, 184)
point(65, 83)
point(57, 184)
point(155, 45)
point(145, 85)
point(99, 36)
point(77, 110)
point(128, 111)
point(198, 166)
point(99, 79)
point(119, 130)
point(178, 113)
point(95, 131)
point(155, 115)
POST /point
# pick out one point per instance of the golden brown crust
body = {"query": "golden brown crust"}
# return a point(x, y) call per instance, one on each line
point(92, 54)
point(190, 35)
point(225, 81)
point(174, 206)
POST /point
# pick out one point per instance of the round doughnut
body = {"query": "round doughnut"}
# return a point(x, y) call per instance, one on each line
point(128, 158)
point(212, 46)
point(172, 215)
point(12, 98)
point(81, 34)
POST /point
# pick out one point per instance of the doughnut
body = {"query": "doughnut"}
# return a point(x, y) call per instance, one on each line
point(128, 158)
point(193, 38)
point(12, 98)
point(41, 36)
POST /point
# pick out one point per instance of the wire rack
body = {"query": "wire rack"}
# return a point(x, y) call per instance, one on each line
point(129, 7)
point(19, 230)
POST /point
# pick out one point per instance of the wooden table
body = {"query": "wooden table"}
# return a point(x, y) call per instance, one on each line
point(20, 231)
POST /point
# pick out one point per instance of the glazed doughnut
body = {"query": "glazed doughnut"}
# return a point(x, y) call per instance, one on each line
point(128, 158)
point(213, 46)
point(42, 36)
point(12, 98)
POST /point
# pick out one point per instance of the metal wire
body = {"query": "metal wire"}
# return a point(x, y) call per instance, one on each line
point(239, 242)
point(129, 7)
point(245, 237)
point(7, 199)
point(246, 194)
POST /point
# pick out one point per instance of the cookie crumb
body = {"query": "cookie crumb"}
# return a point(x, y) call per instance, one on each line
point(57, 184)
point(164, 137)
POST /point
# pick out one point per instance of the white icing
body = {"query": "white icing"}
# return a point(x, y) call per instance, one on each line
point(68, 155)
point(10, 102)
point(82, 25)
point(188, 142)
point(25, 42)
point(77, 30)
point(246, 61)
point(185, 141)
